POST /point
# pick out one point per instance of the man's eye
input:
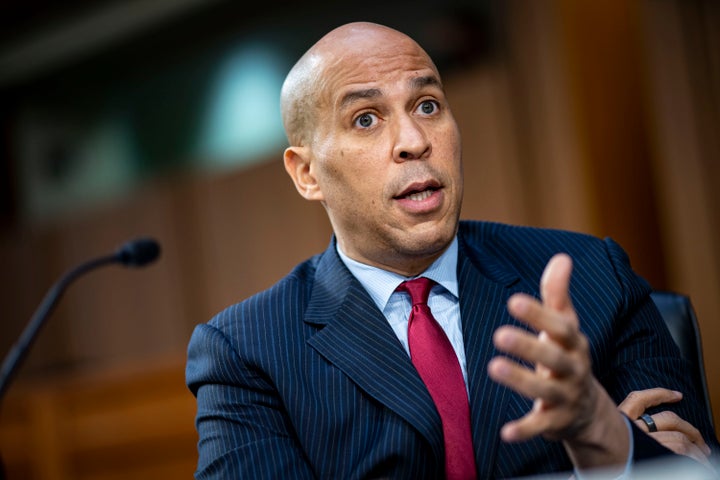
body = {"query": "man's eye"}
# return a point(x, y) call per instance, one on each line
point(428, 107)
point(365, 120)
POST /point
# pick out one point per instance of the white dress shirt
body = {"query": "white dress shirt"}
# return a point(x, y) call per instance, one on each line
point(444, 301)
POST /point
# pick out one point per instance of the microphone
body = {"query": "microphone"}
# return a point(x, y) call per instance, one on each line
point(135, 253)
point(138, 253)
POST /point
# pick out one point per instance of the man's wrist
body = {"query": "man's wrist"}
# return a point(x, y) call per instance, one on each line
point(579, 475)
point(605, 442)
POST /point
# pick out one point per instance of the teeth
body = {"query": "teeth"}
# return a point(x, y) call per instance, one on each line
point(417, 197)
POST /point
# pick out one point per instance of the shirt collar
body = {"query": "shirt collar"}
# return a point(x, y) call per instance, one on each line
point(381, 284)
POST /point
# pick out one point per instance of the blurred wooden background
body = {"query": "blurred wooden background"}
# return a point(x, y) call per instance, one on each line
point(602, 117)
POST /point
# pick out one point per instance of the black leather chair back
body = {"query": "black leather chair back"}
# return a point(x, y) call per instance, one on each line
point(679, 315)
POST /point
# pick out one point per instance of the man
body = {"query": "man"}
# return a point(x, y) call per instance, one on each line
point(317, 376)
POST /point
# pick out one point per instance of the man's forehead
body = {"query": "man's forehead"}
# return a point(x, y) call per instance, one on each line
point(414, 83)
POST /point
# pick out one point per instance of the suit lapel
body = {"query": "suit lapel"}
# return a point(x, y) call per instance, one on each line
point(483, 299)
point(357, 338)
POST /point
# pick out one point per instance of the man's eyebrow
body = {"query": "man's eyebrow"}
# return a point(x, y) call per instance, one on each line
point(426, 81)
point(415, 83)
point(356, 95)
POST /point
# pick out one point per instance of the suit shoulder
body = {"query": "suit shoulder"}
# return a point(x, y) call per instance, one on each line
point(526, 250)
point(524, 240)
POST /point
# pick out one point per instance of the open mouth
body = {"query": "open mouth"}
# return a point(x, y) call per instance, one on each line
point(418, 192)
point(419, 196)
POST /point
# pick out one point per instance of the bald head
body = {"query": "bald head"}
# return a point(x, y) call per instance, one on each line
point(301, 95)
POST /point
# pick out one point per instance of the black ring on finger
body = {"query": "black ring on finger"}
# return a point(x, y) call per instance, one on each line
point(649, 422)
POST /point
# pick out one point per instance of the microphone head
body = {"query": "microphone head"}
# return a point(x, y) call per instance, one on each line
point(138, 252)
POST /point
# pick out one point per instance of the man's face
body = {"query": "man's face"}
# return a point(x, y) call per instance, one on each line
point(387, 157)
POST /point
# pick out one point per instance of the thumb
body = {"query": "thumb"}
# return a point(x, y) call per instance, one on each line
point(555, 282)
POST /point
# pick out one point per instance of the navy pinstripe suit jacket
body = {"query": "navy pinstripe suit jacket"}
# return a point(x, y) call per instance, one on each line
point(308, 380)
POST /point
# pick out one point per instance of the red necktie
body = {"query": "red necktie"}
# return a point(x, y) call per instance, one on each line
point(438, 366)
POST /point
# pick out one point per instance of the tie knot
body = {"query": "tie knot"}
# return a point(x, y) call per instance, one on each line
point(418, 288)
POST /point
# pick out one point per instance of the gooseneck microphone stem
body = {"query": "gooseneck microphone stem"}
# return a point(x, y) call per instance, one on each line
point(18, 352)
point(136, 253)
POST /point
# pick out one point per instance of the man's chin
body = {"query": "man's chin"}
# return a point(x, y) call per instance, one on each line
point(432, 235)
point(429, 243)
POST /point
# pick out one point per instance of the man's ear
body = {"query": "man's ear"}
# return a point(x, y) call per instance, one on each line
point(298, 166)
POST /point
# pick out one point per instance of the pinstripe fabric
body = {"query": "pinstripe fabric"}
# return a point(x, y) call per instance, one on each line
point(308, 380)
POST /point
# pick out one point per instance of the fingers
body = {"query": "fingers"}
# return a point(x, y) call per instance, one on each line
point(561, 327)
point(536, 349)
point(638, 401)
point(554, 314)
point(526, 382)
point(559, 378)
point(560, 385)
point(679, 443)
point(668, 421)
point(528, 426)
point(672, 431)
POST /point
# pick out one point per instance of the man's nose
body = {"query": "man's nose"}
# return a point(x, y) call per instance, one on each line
point(411, 140)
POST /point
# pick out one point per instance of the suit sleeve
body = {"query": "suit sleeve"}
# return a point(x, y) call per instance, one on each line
point(243, 429)
point(645, 356)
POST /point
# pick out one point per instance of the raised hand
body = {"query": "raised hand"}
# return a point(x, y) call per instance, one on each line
point(569, 403)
